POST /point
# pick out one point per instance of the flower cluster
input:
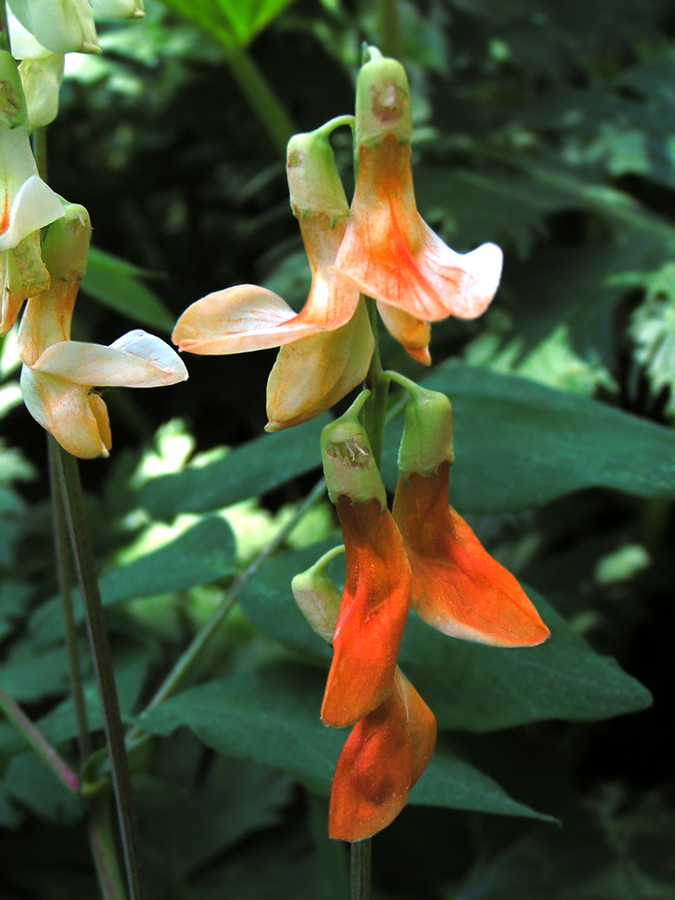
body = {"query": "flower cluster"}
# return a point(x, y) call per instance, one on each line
point(59, 376)
point(380, 246)
point(423, 556)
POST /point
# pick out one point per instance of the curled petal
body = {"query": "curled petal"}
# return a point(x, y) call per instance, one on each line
point(312, 374)
point(373, 610)
point(409, 331)
point(46, 320)
point(62, 27)
point(458, 587)
point(389, 253)
point(135, 360)
point(77, 418)
point(381, 760)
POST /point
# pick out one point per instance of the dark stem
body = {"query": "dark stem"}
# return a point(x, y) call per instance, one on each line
point(359, 887)
point(71, 490)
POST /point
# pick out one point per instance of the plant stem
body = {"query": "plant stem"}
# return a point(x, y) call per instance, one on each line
point(190, 656)
point(102, 843)
point(260, 96)
point(71, 491)
point(38, 742)
point(63, 571)
point(360, 870)
point(389, 28)
point(375, 410)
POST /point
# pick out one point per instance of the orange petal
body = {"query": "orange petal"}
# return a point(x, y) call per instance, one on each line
point(389, 253)
point(457, 586)
point(409, 331)
point(373, 610)
point(382, 758)
point(247, 317)
point(314, 373)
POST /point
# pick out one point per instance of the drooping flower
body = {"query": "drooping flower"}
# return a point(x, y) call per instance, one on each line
point(119, 9)
point(387, 751)
point(457, 587)
point(41, 79)
point(383, 757)
point(62, 26)
point(376, 594)
point(59, 376)
point(388, 252)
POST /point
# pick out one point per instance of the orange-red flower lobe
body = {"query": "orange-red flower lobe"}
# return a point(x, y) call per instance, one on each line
point(457, 586)
point(373, 610)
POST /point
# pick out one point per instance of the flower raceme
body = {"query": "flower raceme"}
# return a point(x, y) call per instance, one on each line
point(59, 375)
point(387, 750)
point(380, 247)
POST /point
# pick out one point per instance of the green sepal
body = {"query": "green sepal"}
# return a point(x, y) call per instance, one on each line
point(382, 101)
point(66, 245)
point(348, 461)
point(313, 179)
point(13, 111)
point(427, 432)
point(317, 596)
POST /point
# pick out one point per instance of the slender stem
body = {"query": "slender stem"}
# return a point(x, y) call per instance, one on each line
point(360, 870)
point(375, 410)
point(61, 550)
point(260, 95)
point(71, 490)
point(102, 842)
point(190, 656)
point(38, 742)
point(389, 27)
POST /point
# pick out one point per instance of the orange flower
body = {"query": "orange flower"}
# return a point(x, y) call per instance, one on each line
point(381, 760)
point(388, 252)
point(373, 611)
point(457, 586)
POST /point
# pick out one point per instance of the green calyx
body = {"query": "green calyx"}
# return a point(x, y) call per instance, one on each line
point(348, 461)
point(13, 111)
point(382, 101)
point(313, 180)
point(66, 245)
point(317, 597)
point(427, 432)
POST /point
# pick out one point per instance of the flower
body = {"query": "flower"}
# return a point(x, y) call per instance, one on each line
point(61, 26)
point(376, 594)
point(59, 375)
point(387, 750)
point(457, 587)
point(26, 205)
point(327, 347)
point(383, 757)
point(388, 252)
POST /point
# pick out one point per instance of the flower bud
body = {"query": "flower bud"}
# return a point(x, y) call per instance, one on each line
point(41, 79)
point(382, 101)
point(317, 596)
point(66, 244)
point(348, 461)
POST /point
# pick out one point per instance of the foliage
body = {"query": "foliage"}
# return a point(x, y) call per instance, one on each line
point(546, 127)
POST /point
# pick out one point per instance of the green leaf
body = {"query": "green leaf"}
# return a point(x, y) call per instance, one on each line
point(117, 284)
point(467, 685)
point(272, 716)
point(200, 555)
point(234, 23)
point(248, 471)
point(519, 444)
point(33, 785)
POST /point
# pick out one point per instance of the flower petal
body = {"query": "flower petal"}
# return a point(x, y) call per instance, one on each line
point(62, 27)
point(407, 330)
point(458, 587)
point(135, 360)
point(373, 610)
point(312, 374)
point(389, 253)
point(382, 758)
point(67, 411)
